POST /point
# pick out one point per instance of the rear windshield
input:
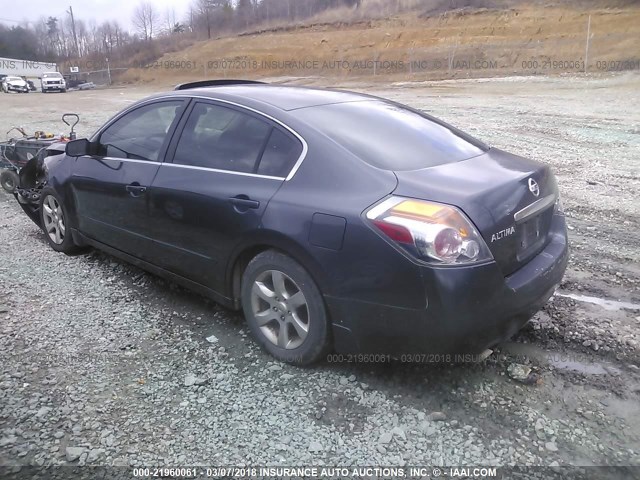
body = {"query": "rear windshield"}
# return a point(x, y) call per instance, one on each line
point(389, 136)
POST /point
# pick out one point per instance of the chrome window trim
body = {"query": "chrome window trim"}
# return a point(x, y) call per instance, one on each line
point(191, 167)
point(537, 206)
point(118, 159)
point(230, 172)
point(305, 147)
point(292, 172)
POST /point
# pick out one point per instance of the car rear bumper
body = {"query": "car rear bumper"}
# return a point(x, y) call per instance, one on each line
point(468, 309)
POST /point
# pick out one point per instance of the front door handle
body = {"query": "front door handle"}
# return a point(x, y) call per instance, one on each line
point(136, 190)
point(243, 202)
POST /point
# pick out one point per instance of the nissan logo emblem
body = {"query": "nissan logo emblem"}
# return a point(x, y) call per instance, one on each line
point(534, 188)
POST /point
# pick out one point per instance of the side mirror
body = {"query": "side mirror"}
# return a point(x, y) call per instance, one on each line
point(79, 148)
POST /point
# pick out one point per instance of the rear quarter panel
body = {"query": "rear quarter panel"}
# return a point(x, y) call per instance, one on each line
point(363, 266)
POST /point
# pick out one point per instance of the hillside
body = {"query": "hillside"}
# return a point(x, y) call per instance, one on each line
point(461, 43)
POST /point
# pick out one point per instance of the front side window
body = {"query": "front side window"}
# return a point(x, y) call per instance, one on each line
point(140, 134)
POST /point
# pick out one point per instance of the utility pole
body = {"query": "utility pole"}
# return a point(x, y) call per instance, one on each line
point(108, 70)
point(586, 52)
point(73, 28)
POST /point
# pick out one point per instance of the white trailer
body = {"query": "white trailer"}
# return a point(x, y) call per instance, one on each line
point(25, 68)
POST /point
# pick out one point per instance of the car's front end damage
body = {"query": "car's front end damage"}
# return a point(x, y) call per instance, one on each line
point(16, 85)
point(34, 176)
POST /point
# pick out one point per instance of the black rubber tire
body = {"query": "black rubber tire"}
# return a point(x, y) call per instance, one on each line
point(67, 246)
point(318, 340)
point(9, 180)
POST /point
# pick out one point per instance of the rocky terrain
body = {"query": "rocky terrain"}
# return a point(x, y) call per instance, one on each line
point(104, 364)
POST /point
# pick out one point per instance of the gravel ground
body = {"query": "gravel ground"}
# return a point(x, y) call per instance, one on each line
point(103, 364)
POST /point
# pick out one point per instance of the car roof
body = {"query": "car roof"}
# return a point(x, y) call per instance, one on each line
point(279, 96)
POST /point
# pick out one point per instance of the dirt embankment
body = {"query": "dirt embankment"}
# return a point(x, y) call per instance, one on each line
point(456, 44)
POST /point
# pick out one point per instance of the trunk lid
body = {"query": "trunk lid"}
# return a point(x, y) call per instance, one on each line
point(495, 192)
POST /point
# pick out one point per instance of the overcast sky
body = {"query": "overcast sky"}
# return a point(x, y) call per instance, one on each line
point(13, 12)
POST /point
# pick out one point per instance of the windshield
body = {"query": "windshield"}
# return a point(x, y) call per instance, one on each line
point(13, 79)
point(51, 75)
point(390, 136)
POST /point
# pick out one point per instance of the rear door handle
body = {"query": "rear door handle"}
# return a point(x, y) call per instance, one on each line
point(242, 202)
point(136, 190)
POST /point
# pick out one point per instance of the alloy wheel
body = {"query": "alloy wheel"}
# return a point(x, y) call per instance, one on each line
point(280, 309)
point(53, 219)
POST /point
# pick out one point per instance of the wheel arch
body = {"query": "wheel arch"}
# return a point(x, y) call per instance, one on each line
point(269, 240)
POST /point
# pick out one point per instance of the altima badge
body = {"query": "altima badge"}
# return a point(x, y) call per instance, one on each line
point(503, 233)
point(534, 188)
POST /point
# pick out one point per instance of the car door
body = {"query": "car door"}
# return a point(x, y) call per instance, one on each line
point(110, 188)
point(225, 166)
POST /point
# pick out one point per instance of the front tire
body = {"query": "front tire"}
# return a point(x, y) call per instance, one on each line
point(284, 309)
point(55, 224)
point(9, 180)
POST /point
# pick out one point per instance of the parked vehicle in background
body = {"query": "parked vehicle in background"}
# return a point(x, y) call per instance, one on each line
point(53, 81)
point(14, 84)
point(32, 86)
point(87, 86)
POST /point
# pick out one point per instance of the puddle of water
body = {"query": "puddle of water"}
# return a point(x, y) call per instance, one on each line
point(574, 362)
point(582, 367)
point(611, 305)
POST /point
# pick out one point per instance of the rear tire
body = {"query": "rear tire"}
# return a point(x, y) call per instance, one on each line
point(284, 309)
point(9, 180)
point(54, 221)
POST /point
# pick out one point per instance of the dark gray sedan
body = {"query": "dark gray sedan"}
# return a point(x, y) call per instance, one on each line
point(334, 220)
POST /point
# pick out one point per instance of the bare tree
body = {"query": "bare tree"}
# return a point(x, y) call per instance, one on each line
point(144, 19)
point(211, 12)
point(170, 20)
point(53, 38)
point(244, 9)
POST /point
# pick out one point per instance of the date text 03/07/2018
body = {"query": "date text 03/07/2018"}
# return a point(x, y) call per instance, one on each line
point(316, 472)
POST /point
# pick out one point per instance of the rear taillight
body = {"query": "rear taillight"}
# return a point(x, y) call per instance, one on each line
point(431, 231)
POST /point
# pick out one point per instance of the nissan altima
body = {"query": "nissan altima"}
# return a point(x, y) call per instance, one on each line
point(333, 220)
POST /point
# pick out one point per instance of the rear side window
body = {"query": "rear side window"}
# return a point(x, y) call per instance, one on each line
point(222, 138)
point(280, 155)
point(389, 136)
